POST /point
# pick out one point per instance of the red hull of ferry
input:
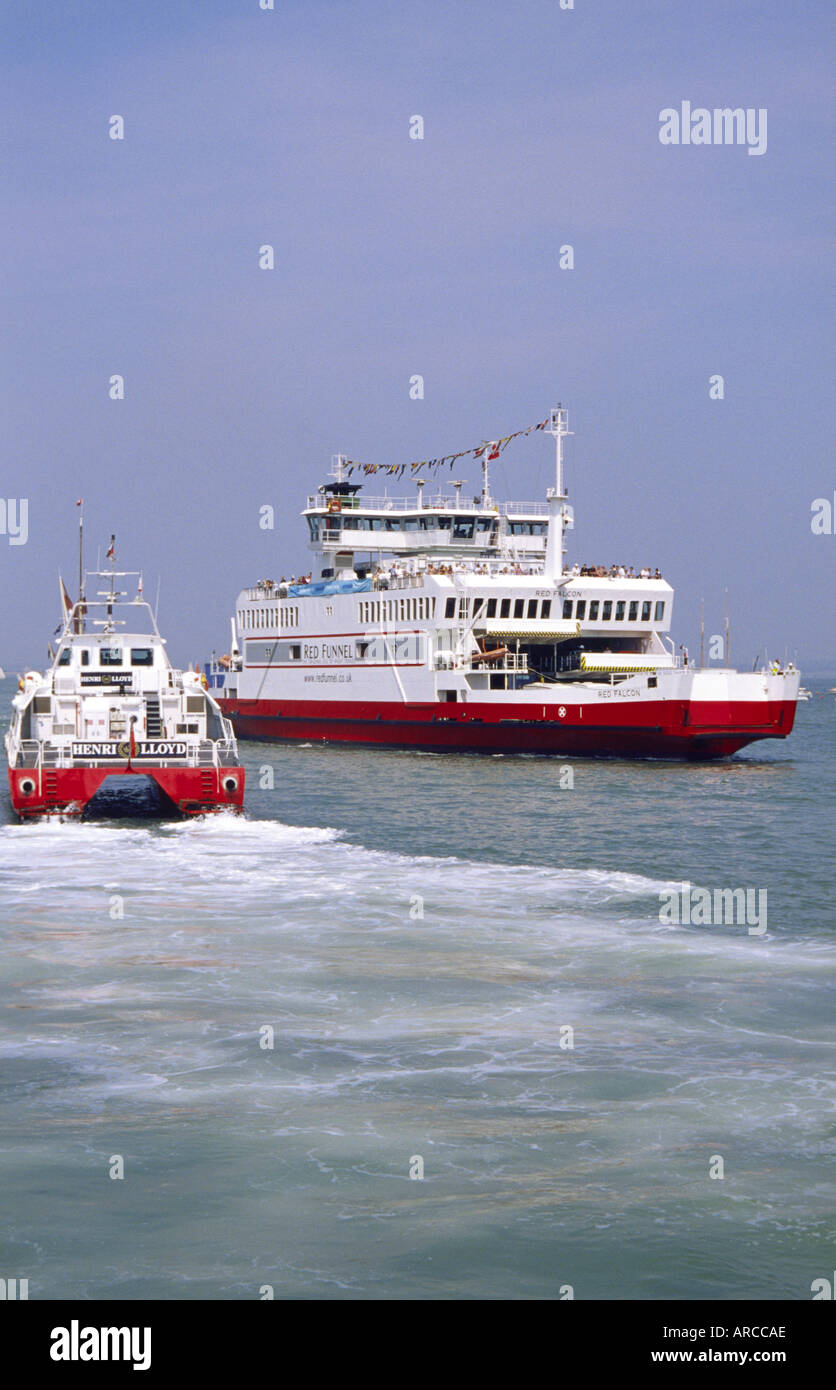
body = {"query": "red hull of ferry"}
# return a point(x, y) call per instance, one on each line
point(667, 729)
point(193, 791)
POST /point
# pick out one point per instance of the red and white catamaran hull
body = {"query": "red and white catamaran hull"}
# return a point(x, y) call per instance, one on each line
point(193, 791)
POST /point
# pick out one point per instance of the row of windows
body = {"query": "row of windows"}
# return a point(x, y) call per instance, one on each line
point(487, 608)
point(463, 527)
point(393, 610)
point(111, 656)
point(274, 616)
point(528, 528)
point(621, 610)
point(466, 608)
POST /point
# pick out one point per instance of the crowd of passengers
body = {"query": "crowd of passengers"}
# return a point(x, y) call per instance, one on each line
point(399, 571)
point(615, 572)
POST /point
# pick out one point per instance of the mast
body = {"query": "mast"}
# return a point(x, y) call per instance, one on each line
point(555, 548)
point(728, 634)
point(80, 505)
point(486, 484)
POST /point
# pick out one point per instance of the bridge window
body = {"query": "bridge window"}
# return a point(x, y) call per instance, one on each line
point(450, 608)
point(634, 611)
point(504, 607)
point(477, 606)
point(593, 610)
point(519, 605)
point(646, 611)
point(110, 656)
point(546, 609)
point(619, 610)
point(463, 530)
point(142, 656)
point(606, 612)
point(532, 608)
point(567, 608)
point(64, 658)
point(490, 611)
point(660, 611)
point(580, 611)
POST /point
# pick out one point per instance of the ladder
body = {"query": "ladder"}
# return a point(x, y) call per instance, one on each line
point(153, 722)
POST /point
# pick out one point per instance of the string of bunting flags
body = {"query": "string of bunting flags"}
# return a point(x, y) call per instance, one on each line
point(494, 447)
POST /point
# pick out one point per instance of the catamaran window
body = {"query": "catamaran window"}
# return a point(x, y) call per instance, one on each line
point(411, 523)
point(580, 611)
point(490, 611)
point(464, 609)
point(313, 523)
point(110, 656)
point(392, 524)
point(567, 608)
point(85, 657)
point(477, 606)
point(606, 611)
point(660, 612)
point(545, 611)
point(444, 523)
point(619, 611)
point(593, 610)
point(519, 605)
point(532, 608)
point(64, 658)
point(646, 611)
point(484, 523)
point(504, 607)
point(634, 611)
point(450, 608)
point(378, 523)
point(463, 529)
point(142, 656)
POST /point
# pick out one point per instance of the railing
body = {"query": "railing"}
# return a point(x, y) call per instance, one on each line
point(29, 753)
point(447, 501)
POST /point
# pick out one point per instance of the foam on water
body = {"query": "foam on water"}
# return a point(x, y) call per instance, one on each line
point(419, 961)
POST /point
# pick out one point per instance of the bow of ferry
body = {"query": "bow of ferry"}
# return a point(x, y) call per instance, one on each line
point(441, 622)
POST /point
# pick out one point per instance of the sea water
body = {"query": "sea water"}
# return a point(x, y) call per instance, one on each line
point(412, 1027)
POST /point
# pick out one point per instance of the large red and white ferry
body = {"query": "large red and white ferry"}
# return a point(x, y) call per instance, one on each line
point(111, 706)
point(444, 622)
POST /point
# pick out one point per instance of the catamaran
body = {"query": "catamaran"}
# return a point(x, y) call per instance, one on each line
point(112, 716)
point(441, 622)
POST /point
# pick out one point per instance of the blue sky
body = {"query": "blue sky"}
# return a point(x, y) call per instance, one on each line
point(395, 257)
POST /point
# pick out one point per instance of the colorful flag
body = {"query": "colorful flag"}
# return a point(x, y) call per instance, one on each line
point(110, 550)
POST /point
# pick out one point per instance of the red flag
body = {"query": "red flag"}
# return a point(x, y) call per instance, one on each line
point(493, 452)
point(66, 601)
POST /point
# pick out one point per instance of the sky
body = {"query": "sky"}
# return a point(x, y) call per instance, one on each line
point(397, 257)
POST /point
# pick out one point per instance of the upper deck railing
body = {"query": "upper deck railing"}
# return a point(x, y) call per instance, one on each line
point(440, 502)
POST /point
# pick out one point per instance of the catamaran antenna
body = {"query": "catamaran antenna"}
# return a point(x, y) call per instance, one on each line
point(702, 633)
point(157, 601)
point(80, 505)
